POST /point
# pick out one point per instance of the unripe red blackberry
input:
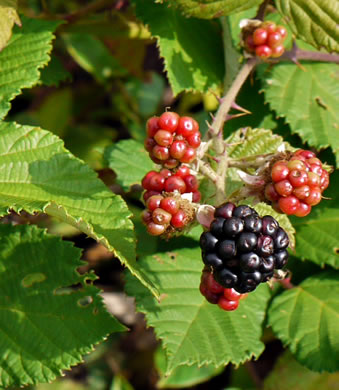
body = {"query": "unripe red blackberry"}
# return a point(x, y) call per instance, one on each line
point(265, 40)
point(226, 298)
point(166, 214)
point(242, 249)
point(297, 183)
point(181, 181)
point(172, 140)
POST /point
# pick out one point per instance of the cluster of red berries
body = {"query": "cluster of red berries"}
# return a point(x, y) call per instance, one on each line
point(172, 139)
point(266, 41)
point(297, 183)
point(226, 298)
point(182, 181)
point(162, 212)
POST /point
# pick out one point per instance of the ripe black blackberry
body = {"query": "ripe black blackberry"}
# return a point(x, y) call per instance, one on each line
point(242, 248)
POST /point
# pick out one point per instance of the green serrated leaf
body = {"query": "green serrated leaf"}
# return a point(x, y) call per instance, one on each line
point(247, 142)
point(284, 222)
point(38, 174)
point(8, 17)
point(192, 49)
point(306, 318)
point(207, 9)
point(27, 52)
point(289, 374)
point(129, 170)
point(308, 99)
point(318, 236)
point(314, 21)
point(192, 330)
point(62, 323)
point(98, 61)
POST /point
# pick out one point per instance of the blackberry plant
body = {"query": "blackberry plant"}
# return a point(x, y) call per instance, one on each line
point(174, 158)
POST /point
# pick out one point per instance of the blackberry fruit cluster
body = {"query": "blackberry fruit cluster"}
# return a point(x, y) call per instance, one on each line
point(166, 181)
point(165, 213)
point(226, 298)
point(266, 41)
point(172, 139)
point(297, 184)
point(242, 248)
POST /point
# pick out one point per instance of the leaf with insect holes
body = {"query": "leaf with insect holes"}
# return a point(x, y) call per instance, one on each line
point(129, 170)
point(314, 21)
point(208, 9)
point(308, 99)
point(306, 318)
point(192, 330)
point(38, 174)
point(37, 300)
point(192, 49)
point(20, 61)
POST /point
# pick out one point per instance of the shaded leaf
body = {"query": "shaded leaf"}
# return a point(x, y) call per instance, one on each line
point(314, 21)
point(207, 9)
point(38, 174)
point(192, 330)
point(192, 49)
point(306, 318)
point(147, 94)
point(98, 61)
point(27, 52)
point(129, 170)
point(54, 73)
point(289, 374)
point(37, 270)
